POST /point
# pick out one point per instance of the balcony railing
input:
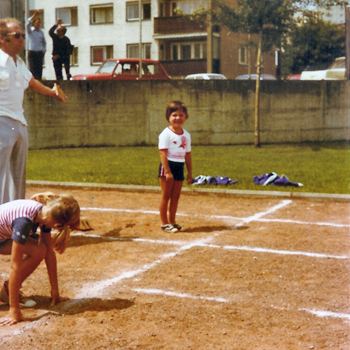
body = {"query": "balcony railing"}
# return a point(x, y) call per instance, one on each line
point(176, 25)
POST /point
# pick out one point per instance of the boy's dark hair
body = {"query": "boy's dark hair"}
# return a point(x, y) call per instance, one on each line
point(174, 106)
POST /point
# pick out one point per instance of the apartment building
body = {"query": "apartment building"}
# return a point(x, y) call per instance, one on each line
point(101, 29)
point(11, 8)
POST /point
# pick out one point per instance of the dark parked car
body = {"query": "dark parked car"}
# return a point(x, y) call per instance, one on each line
point(126, 69)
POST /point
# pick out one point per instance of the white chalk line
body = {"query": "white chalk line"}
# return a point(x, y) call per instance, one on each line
point(225, 247)
point(256, 217)
point(284, 252)
point(180, 295)
point(286, 221)
point(94, 289)
point(90, 290)
point(319, 313)
point(271, 210)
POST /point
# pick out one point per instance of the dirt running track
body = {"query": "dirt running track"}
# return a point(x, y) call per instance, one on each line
point(266, 273)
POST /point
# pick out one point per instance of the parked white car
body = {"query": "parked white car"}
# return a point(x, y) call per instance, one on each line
point(206, 76)
point(336, 71)
point(254, 77)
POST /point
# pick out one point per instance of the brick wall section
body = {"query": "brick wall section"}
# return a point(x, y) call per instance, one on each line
point(176, 25)
point(131, 113)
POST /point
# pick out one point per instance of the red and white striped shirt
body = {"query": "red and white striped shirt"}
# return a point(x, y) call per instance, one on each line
point(10, 211)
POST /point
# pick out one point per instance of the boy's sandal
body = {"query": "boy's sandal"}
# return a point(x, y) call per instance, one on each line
point(169, 228)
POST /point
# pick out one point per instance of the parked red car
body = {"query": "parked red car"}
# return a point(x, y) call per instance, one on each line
point(126, 69)
point(293, 77)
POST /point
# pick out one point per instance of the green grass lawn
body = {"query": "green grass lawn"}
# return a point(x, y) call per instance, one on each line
point(321, 167)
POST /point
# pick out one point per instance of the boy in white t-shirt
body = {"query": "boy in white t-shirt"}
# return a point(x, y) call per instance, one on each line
point(174, 151)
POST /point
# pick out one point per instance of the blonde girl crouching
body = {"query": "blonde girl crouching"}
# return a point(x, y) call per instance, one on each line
point(44, 197)
point(64, 213)
point(19, 220)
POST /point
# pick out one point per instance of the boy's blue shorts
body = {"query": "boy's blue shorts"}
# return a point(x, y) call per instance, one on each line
point(177, 169)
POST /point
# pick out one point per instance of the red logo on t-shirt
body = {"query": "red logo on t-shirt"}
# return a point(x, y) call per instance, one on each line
point(183, 142)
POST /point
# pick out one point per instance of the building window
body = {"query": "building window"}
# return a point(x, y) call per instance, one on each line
point(69, 15)
point(161, 12)
point(174, 53)
point(133, 51)
point(187, 6)
point(100, 14)
point(40, 15)
point(189, 51)
point(204, 51)
point(132, 11)
point(197, 50)
point(100, 53)
point(186, 52)
point(243, 55)
point(74, 57)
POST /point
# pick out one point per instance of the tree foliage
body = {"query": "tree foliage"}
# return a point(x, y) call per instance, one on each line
point(312, 42)
point(304, 40)
point(273, 19)
point(270, 18)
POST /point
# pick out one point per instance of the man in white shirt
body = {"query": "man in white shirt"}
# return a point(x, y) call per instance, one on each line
point(14, 79)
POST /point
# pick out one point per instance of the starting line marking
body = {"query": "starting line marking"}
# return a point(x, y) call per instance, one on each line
point(94, 289)
point(319, 313)
point(179, 295)
point(327, 314)
point(256, 217)
point(225, 247)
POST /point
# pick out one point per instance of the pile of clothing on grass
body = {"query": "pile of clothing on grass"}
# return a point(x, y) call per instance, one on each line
point(266, 179)
point(211, 180)
point(275, 180)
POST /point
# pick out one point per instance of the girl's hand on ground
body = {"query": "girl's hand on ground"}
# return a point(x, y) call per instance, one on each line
point(13, 317)
point(55, 299)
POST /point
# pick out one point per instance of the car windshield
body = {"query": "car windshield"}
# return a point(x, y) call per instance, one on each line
point(106, 67)
point(314, 68)
point(215, 76)
point(337, 64)
point(151, 68)
point(126, 68)
point(132, 68)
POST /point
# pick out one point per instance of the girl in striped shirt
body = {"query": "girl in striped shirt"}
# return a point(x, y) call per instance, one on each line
point(19, 220)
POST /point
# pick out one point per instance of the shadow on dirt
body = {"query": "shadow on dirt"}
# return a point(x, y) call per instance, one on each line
point(81, 239)
point(215, 228)
point(77, 306)
point(78, 241)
